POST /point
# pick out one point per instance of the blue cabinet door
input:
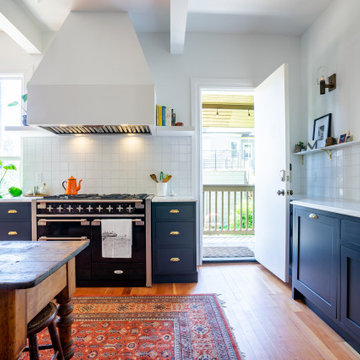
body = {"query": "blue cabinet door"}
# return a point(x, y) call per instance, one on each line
point(316, 258)
point(350, 290)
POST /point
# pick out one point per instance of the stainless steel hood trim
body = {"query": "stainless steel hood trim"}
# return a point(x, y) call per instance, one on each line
point(99, 129)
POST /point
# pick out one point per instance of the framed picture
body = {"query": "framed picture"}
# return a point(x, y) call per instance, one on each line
point(322, 130)
point(342, 137)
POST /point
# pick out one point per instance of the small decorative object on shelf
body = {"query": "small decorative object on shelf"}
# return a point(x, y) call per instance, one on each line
point(349, 138)
point(330, 141)
point(343, 137)
point(299, 147)
point(179, 124)
point(312, 145)
point(322, 130)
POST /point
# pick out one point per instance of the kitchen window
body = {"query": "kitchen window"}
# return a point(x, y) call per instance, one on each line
point(11, 90)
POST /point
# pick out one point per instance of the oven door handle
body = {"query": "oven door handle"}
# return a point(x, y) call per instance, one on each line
point(83, 222)
point(97, 222)
point(51, 238)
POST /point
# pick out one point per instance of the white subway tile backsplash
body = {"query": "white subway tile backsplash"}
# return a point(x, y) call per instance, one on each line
point(108, 164)
point(338, 178)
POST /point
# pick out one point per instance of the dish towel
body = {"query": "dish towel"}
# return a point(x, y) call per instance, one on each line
point(116, 237)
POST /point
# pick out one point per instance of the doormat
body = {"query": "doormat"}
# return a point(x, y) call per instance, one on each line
point(227, 252)
point(149, 327)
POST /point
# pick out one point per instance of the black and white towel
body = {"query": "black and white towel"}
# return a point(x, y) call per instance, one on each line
point(116, 238)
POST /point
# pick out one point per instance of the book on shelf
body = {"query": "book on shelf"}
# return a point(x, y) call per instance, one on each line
point(165, 116)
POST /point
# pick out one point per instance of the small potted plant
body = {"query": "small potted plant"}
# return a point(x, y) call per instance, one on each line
point(300, 146)
point(13, 190)
point(23, 108)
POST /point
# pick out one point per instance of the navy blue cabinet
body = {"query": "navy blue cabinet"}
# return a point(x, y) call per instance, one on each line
point(174, 242)
point(326, 268)
point(15, 221)
point(316, 258)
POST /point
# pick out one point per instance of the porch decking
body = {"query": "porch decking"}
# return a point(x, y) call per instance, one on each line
point(228, 247)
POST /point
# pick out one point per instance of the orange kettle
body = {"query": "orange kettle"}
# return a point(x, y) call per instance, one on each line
point(71, 187)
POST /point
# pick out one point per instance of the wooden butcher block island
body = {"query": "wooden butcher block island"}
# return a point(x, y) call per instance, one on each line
point(32, 273)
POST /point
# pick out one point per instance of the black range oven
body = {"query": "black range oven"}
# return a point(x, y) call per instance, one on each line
point(79, 217)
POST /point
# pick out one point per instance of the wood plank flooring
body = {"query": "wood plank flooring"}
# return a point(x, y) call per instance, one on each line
point(267, 323)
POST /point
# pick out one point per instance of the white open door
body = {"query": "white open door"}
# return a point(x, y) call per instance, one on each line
point(272, 174)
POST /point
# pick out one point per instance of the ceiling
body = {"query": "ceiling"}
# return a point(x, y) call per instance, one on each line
point(288, 17)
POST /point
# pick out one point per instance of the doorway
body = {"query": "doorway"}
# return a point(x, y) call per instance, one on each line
point(228, 173)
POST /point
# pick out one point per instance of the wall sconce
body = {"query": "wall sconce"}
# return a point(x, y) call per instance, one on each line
point(331, 85)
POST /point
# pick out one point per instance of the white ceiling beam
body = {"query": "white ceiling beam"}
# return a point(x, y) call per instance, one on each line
point(15, 22)
point(178, 17)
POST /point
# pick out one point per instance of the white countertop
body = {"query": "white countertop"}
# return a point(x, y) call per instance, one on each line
point(19, 199)
point(350, 208)
point(173, 199)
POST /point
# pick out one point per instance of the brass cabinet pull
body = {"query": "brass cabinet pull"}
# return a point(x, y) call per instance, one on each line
point(175, 259)
point(174, 211)
point(174, 232)
point(313, 216)
point(118, 272)
point(12, 233)
point(12, 211)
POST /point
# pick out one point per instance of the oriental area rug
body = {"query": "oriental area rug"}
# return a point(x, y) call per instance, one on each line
point(150, 327)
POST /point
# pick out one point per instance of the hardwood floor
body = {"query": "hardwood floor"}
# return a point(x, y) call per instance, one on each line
point(267, 323)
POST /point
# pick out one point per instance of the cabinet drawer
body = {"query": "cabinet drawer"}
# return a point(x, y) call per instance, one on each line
point(120, 271)
point(169, 234)
point(350, 232)
point(18, 230)
point(174, 261)
point(175, 211)
point(15, 211)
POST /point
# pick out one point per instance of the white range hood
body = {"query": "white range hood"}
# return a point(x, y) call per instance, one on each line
point(93, 76)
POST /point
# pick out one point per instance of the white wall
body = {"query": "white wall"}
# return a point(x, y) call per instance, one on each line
point(333, 42)
point(224, 56)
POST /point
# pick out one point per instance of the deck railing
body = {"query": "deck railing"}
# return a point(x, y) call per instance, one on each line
point(228, 209)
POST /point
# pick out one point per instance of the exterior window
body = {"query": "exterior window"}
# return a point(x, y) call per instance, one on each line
point(11, 90)
point(247, 151)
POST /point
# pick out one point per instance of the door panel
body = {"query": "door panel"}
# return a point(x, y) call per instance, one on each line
point(316, 258)
point(271, 158)
point(350, 290)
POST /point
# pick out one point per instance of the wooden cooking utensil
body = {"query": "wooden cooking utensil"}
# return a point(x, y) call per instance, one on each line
point(153, 176)
point(168, 178)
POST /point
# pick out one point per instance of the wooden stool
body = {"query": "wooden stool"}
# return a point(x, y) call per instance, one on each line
point(46, 318)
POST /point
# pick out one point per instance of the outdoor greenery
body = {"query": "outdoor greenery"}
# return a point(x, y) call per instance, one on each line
point(240, 217)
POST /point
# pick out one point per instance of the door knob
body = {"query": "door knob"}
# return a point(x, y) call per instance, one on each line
point(281, 192)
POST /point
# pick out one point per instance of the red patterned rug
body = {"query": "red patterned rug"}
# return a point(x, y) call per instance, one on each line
point(150, 327)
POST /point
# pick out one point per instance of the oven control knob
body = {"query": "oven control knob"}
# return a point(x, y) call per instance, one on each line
point(79, 208)
point(59, 208)
point(89, 208)
point(99, 208)
point(129, 209)
point(120, 208)
point(109, 208)
point(49, 208)
point(69, 208)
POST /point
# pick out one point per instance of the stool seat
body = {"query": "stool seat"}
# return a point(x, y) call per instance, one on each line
point(44, 319)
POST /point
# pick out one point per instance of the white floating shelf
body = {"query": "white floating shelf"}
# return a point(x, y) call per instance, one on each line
point(327, 149)
point(174, 131)
point(28, 131)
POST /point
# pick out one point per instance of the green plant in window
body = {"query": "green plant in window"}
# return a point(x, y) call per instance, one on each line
point(23, 105)
point(13, 190)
